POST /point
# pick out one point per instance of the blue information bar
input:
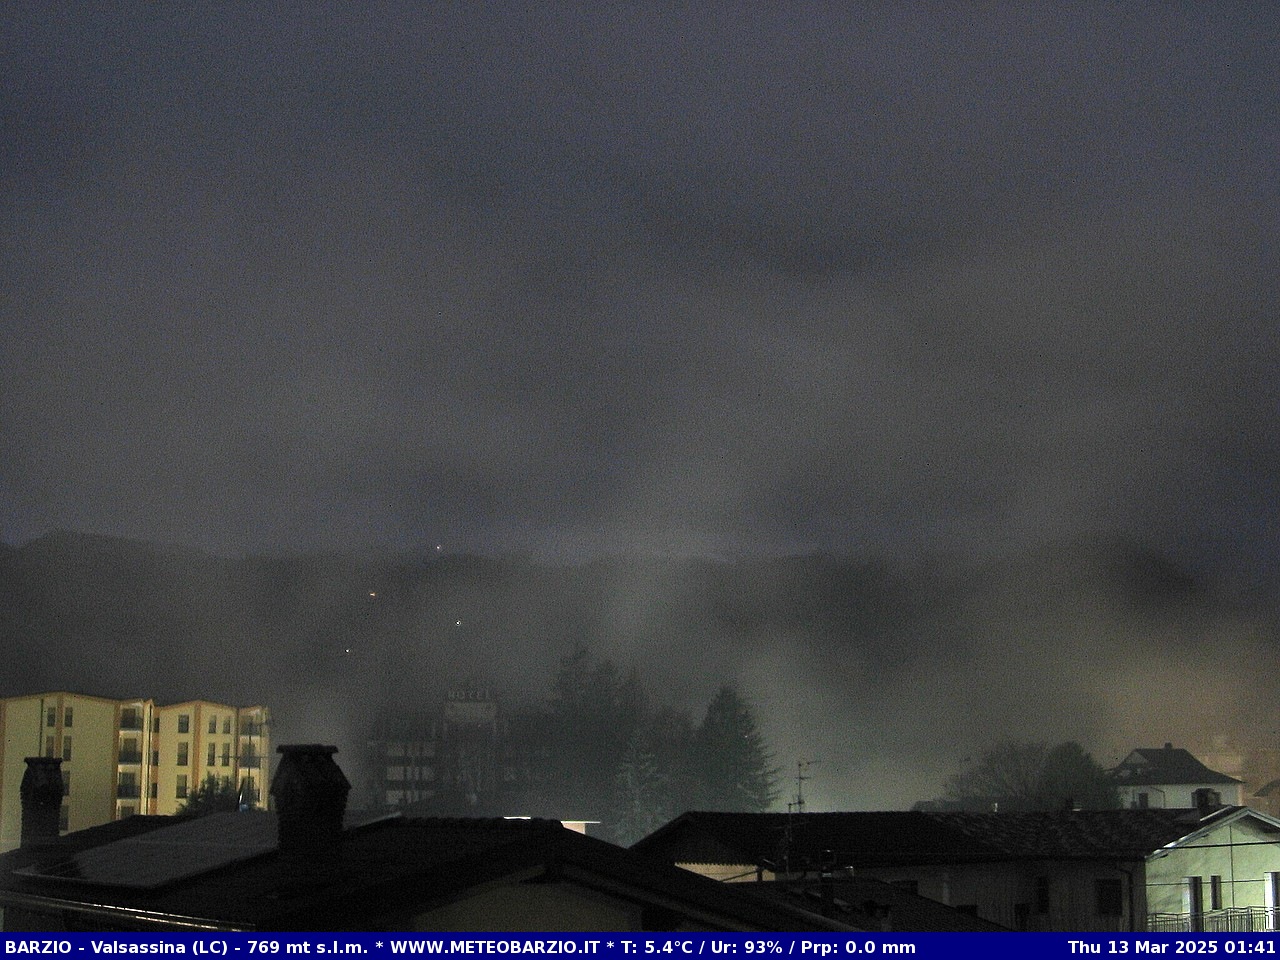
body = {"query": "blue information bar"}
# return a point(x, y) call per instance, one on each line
point(987, 946)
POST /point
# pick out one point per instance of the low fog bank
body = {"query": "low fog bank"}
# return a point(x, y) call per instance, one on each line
point(885, 674)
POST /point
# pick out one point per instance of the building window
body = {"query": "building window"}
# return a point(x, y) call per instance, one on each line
point(1109, 897)
point(181, 792)
point(1144, 801)
point(155, 725)
point(213, 754)
point(1271, 899)
point(48, 746)
point(155, 758)
point(66, 748)
point(184, 723)
point(64, 818)
point(1195, 903)
point(1206, 799)
point(226, 725)
point(182, 753)
point(213, 723)
point(1042, 895)
point(226, 754)
point(128, 811)
point(66, 717)
point(1215, 892)
point(51, 717)
point(155, 790)
point(66, 783)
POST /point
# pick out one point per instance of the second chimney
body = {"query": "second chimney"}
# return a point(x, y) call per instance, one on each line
point(309, 793)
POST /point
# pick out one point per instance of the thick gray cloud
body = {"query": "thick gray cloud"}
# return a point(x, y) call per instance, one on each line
point(574, 279)
point(721, 278)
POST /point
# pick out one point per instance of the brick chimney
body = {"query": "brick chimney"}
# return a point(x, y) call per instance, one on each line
point(41, 793)
point(309, 794)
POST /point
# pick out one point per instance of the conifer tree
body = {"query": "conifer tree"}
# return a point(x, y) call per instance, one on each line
point(731, 765)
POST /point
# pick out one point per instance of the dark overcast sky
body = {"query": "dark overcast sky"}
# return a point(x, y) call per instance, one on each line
point(718, 278)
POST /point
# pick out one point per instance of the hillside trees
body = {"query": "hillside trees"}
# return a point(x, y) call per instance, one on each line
point(1014, 775)
point(611, 753)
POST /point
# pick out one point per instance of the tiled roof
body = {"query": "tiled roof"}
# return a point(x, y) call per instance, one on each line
point(1167, 764)
point(878, 839)
point(1075, 834)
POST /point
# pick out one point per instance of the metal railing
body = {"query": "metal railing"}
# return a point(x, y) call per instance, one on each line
point(130, 756)
point(1229, 920)
point(128, 791)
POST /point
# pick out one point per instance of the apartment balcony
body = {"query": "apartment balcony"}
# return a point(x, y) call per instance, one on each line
point(252, 729)
point(130, 756)
point(249, 762)
point(130, 723)
point(1230, 920)
point(128, 791)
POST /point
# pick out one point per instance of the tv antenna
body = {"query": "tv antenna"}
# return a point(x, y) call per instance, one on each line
point(802, 766)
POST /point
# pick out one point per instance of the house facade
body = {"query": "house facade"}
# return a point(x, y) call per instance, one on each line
point(1224, 876)
point(125, 757)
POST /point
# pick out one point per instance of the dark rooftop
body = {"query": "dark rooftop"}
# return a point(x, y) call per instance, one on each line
point(1167, 764)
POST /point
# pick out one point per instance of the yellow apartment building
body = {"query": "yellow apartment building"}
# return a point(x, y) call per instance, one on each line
point(121, 757)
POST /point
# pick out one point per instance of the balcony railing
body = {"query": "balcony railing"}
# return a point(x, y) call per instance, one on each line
point(252, 729)
point(130, 756)
point(130, 723)
point(128, 791)
point(1230, 920)
point(250, 762)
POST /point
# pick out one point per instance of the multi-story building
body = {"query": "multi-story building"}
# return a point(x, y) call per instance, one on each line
point(454, 760)
point(121, 757)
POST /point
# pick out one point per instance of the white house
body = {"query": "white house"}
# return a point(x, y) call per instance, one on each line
point(1171, 778)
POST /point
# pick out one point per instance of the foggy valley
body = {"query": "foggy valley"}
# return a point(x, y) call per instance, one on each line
point(884, 674)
